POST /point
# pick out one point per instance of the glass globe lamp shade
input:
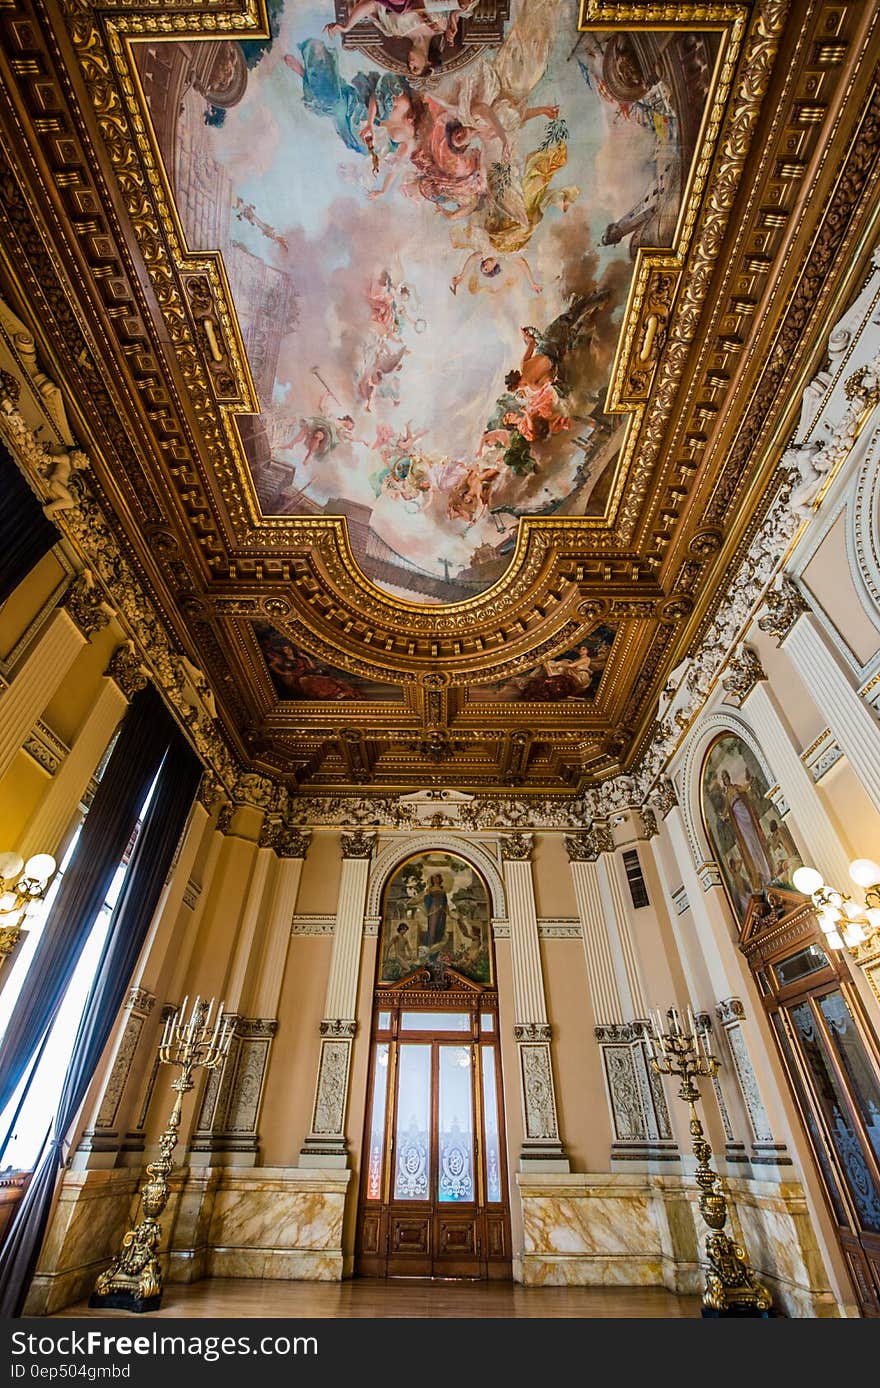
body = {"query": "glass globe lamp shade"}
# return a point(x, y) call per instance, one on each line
point(11, 865)
point(807, 880)
point(40, 867)
point(828, 917)
point(853, 934)
point(873, 917)
point(864, 872)
point(8, 902)
point(852, 909)
point(834, 940)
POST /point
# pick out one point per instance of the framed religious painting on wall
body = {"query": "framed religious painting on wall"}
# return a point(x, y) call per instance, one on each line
point(750, 843)
point(436, 910)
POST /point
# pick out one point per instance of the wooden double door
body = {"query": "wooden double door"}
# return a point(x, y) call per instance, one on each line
point(434, 1199)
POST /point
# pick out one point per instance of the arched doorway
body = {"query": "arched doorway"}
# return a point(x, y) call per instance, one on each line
point(434, 1198)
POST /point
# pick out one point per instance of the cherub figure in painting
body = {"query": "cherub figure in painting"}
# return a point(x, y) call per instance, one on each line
point(320, 433)
point(468, 498)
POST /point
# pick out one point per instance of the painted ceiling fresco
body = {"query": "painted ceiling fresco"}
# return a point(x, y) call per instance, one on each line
point(297, 675)
point(429, 217)
point(572, 675)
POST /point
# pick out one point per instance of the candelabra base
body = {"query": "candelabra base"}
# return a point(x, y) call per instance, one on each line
point(750, 1311)
point(125, 1301)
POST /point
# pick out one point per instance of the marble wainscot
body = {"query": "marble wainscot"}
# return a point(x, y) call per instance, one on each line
point(278, 1222)
point(92, 1213)
point(644, 1230)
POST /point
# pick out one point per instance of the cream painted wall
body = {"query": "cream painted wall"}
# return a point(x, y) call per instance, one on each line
point(584, 1122)
point(322, 869)
point(293, 1064)
point(827, 577)
point(852, 811)
point(21, 790)
point(551, 874)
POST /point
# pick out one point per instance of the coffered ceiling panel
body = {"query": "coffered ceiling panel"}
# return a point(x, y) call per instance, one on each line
point(434, 364)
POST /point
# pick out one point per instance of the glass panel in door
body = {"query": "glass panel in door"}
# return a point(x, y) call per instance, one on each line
point(832, 1101)
point(413, 1133)
point(455, 1128)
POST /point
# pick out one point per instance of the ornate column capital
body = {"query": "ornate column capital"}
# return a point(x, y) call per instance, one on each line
point(614, 1034)
point(337, 1026)
point(517, 847)
point(291, 842)
point(744, 670)
point(85, 604)
point(582, 847)
point(784, 604)
point(665, 797)
point(209, 790)
point(730, 1010)
point(139, 1000)
point(649, 822)
point(125, 668)
point(532, 1031)
point(358, 845)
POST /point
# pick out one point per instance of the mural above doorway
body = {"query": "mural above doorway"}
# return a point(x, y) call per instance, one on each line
point(752, 846)
point(428, 215)
point(436, 911)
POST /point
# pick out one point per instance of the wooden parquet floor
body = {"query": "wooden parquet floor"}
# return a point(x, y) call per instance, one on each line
point(235, 1298)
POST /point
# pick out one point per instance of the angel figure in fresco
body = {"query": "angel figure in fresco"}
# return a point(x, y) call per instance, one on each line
point(406, 472)
point(298, 675)
point(390, 306)
point(485, 271)
point(402, 950)
point(430, 27)
point(320, 433)
point(436, 156)
point(739, 882)
point(783, 855)
point(346, 104)
point(493, 96)
point(380, 373)
point(468, 498)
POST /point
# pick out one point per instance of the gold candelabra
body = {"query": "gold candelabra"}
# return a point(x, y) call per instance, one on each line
point(133, 1281)
point(22, 885)
point(681, 1049)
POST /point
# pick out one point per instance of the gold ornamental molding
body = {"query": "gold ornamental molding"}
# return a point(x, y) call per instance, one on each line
point(718, 331)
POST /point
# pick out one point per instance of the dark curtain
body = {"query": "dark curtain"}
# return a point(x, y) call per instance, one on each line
point(107, 828)
point(25, 533)
point(152, 857)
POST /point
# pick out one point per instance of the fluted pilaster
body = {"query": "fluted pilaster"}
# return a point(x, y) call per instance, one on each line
point(819, 841)
point(853, 723)
point(326, 1144)
point(52, 817)
point(35, 682)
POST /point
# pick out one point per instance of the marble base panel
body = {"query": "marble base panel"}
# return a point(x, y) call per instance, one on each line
point(302, 1265)
point(643, 1230)
point(273, 1222)
point(220, 1222)
point(90, 1218)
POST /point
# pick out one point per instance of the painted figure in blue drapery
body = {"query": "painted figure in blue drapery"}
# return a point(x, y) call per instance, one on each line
point(347, 104)
point(436, 908)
